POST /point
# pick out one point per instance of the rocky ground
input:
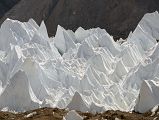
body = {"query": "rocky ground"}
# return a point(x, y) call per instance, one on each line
point(58, 114)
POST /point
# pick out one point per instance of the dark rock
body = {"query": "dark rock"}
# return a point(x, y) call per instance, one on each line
point(118, 17)
point(5, 5)
point(37, 9)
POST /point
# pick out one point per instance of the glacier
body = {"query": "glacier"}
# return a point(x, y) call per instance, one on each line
point(72, 115)
point(85, 70)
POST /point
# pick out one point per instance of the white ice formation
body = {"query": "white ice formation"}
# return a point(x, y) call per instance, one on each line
point(72, 115)
point(86, 70)
point(148, 97)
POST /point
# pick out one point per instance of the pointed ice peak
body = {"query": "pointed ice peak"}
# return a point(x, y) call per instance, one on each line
point(147, 32)
point(107, 41)
point(41, 36)
point(13, 32)
point(148, 96)
point(81, 34)
point(33, 23)
point(72, 115)
point(77, 103)
point(85, 51)
point(17, 94)
point(43, 30)
point(63, 41)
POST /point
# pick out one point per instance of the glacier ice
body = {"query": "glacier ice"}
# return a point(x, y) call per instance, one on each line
point(72, 115)
point(85, 70)
point(77, 103)
point(148, 97)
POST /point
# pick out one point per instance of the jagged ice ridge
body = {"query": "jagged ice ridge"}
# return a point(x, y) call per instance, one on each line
point(85, 70)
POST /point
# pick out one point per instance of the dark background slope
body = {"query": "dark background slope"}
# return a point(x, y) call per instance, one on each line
point(118, 17)
point(5, 5)
point(25, 9)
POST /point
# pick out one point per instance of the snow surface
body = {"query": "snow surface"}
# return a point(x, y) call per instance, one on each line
point(85, 70)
